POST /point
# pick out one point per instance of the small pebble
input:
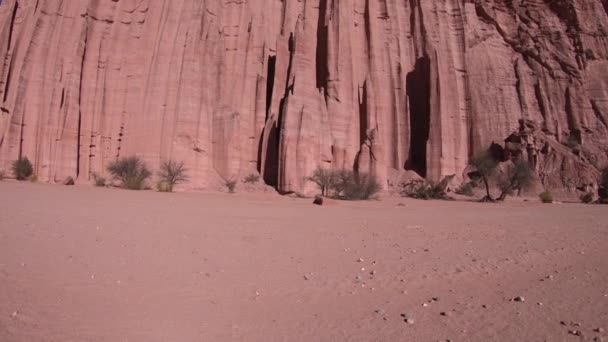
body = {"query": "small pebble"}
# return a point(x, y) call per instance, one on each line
point(575, 332)
point(519, 299)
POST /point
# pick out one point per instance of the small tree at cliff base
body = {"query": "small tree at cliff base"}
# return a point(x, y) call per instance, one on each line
point(485, 167)
point(171, 173)
point(517, 176)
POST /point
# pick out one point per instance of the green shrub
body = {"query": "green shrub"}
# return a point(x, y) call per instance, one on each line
point(131, 171)
point(22, 169)
point(546, 197)
point(587, 198)
point(467, 189)
point(171, 173)
point(231, 185)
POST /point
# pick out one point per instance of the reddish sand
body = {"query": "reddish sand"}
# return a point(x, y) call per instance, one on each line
point(89, 264)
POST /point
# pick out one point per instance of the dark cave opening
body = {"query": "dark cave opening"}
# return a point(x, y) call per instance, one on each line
point(418, 85)
point(322, 71)
point(272, 63)
point(363, 115)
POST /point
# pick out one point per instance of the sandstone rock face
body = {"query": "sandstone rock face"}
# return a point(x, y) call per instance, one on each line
point(284, 86)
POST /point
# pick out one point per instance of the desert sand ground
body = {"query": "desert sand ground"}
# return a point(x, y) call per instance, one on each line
point(93, 264)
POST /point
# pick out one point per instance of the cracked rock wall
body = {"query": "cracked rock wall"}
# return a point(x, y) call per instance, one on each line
point(283, 86)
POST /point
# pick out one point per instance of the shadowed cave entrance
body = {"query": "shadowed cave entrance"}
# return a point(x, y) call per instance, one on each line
point(418, 85)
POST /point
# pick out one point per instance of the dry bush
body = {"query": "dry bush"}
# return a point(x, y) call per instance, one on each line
point(231, 185)
point(252, 178)
point(345, 184)
point(22, 169)
point(425, 190)
point(546, 196)
point(131, 171)
point(518, 176)
point(587, 198)
point(171, 173)
point(99, 180)
point(467, 189)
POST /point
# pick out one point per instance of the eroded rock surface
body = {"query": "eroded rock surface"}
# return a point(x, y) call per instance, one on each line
point(284, 86)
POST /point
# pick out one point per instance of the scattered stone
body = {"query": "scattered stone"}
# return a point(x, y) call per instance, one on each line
point(444, 313)
point(562, 323)
point(409, 320)
point(306, 277)
point(539, 304)
point(380, 311)
point(360, 260)
point(576, 324)
point(425, 305)
point(372, 272)
point(598, 339)
point(358, 278)
point(519, 299)
point(435, 299)
point(318, 200)
point(68, 181)
point(484, 306)
point(598, 330)
point(14, 314)
point(575, 332)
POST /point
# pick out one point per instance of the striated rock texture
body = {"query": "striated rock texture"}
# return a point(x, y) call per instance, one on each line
point(283, 86)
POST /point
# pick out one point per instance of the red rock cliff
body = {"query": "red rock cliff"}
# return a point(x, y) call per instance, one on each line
point(282, 86)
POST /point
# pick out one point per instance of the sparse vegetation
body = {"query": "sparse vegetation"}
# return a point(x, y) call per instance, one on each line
point(171, 173)
point(99, 180)
point(360, 187)
point(252, 178)
point(22, 169)
point(425, 190)
point(485, 165)
point(2, 175)
point(518, 176)
point(603, 187)
point(587, 198)
point(546, 196)
point(345, 184)
point(131, 171)
point(231, 185)
point(467, 189)
point(324, 179)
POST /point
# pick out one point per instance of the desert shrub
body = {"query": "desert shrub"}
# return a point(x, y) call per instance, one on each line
point(546, 196)
point(171, 173)
point(467, 189)
point(131, 171)
point(425, 190)
point(252, 178)
point(345, 184)
point(324, 179)
point(231, 185)
point(22, 169)
point(485, 165)
point(587, 198)
point(99, 180)
point(518, 176)
point(360, 187)
point(32, 179)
